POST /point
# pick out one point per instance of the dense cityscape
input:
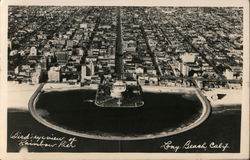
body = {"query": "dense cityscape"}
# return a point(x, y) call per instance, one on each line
point(154, 46)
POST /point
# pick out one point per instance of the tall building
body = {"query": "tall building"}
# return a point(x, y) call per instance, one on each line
point(188, 57)
point(83, 73)
point(43, 61)
point(36, 77)
point(38, 68)
point(33, 51)
point(16, 70)
point(9, 44)
point(90, 69)
point(80, 52)
point(84, 25)
point(129, 46)
point(228, 74)
point(61, 57)
point(70, 43)
point(185, 69)
point(54, 74)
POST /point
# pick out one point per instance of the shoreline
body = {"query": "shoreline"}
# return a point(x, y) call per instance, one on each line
point(164, 89)
point(49, 87)
point(22, 93)
point(153, 89)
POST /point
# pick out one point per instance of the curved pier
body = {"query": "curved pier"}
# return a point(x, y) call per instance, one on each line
point(206, 109)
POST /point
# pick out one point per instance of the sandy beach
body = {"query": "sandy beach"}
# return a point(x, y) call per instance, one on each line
point(19, 95)
point(48, 87)
point(232, 97)
point(163, 89)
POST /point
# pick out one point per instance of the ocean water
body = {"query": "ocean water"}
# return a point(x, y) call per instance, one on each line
point(160, 112)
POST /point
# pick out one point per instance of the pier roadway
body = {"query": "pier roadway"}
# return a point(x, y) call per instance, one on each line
point(202, 116)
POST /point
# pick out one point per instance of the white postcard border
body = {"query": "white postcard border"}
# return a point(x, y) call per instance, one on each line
point(213, 3)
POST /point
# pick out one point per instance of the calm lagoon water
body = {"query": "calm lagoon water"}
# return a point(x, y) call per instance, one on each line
point(161, 112)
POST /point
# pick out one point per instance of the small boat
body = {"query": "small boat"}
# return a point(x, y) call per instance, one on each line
point(89, 100)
